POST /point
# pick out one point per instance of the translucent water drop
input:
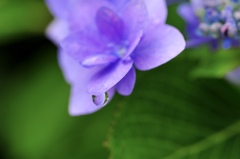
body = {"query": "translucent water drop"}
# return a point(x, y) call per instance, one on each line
point(101, 99)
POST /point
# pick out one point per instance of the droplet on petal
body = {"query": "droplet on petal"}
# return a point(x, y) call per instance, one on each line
point(101, 99)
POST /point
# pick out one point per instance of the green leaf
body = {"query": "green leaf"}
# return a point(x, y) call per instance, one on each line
point(22, 17)
point(169, 116)
point(214, 64)
point(35, 123)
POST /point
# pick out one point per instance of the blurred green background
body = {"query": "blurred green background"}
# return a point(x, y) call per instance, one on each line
point(181, 110)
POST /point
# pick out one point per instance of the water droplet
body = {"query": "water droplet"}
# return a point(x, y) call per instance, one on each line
point(101, 99)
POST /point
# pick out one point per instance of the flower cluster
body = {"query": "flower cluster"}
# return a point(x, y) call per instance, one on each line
point(102, 42)
point(212, 21)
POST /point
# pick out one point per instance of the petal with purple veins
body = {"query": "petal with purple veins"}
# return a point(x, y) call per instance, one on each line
point(110, 24)
point(108, 77)
point(160, 44)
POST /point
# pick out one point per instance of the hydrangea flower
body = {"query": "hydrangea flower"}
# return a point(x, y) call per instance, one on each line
point(212, 21)
point(102, 42)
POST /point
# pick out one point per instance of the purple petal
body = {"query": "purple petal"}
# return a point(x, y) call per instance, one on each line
point(59, 8)
point(83, 12)
point(84, 44)
point(108, 77)
point(81, 102)
point(196, 4)
point(126, 85)
point(134, 14)
point(160, 44)
point(134, 44)
point(57, 31)
point(197, 41)
point(186, 12)
point(157, 11)
point(72, 70)
point(109, 24)
point(98, 60)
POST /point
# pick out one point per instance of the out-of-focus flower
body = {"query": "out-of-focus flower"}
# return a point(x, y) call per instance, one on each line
point(212, 21)
point(171, 2)
point(234, 76)
point(103, 41)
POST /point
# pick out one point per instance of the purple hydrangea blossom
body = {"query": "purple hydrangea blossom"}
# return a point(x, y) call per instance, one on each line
point(212, 21)
point(102, 42)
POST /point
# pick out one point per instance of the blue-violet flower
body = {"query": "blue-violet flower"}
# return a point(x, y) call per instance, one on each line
point(234, 76)
point(101, 42)
point(212, 21)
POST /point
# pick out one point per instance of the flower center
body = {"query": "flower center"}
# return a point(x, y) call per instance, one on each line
point(124, 49)
point(219, 18)
point(118, 50)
